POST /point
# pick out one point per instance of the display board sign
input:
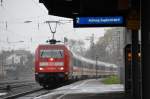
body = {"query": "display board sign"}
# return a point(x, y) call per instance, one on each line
point(99, 21)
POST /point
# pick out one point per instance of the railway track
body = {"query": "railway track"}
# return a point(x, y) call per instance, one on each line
point(8, 85)
point(29, 94)
point(14, 89)
point(21, 94)
point(30, 90)
point(19, 90)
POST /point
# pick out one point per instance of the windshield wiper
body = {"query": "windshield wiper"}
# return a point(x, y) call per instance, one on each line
point(60, 53)
point(42, 53)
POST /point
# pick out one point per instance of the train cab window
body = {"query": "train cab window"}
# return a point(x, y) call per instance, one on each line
point(51, 53)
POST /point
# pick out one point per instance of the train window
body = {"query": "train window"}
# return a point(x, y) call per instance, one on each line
point(74, 62)
point(77, 63)
point(103, 67)
point(52, 53)
point(98, 67)
point(81, 64)
point(87, 65)
point(92, 66)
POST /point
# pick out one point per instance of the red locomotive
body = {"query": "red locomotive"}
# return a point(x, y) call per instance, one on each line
point(54, 64)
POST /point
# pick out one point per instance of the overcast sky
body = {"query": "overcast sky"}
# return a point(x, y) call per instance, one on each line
point(13, 14)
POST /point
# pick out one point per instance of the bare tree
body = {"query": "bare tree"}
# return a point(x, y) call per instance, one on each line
point(77, 46)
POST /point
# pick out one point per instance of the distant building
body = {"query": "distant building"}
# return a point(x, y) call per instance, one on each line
point(13, 59)
point(17, 58)
point(117, 40)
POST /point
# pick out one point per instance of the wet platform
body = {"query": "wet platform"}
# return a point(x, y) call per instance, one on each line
point(87, 89)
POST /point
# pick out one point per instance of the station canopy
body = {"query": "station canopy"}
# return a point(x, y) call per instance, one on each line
point(97, 13)
point(71, 8)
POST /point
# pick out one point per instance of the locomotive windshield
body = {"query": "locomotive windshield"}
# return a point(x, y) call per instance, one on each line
point(51, 53)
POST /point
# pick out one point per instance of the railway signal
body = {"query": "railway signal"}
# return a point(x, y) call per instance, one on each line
point(129, 68)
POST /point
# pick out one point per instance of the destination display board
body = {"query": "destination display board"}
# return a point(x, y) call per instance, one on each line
point(99, 21)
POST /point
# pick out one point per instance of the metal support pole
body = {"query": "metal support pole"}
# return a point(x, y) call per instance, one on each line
point(145, 49)
point(136, 90)
point(96, 66)
point(2, 66)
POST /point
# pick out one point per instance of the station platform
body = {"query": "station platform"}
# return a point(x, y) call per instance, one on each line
point(87, 89)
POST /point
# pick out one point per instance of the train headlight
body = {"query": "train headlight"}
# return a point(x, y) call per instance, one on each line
point(61, 68)
point(41, 68)
point(51, 59)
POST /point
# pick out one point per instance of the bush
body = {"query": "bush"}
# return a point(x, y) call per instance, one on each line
point(111, 80)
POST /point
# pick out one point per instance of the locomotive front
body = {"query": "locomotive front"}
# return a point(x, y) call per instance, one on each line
point(51, 64)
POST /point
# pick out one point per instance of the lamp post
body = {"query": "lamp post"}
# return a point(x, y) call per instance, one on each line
point(2, 65)
point(96, 65)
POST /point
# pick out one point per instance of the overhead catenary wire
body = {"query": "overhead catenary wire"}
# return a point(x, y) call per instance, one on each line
point(23, 21)
point(10, 31)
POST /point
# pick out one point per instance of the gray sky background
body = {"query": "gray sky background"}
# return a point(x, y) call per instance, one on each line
point(13, 14)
